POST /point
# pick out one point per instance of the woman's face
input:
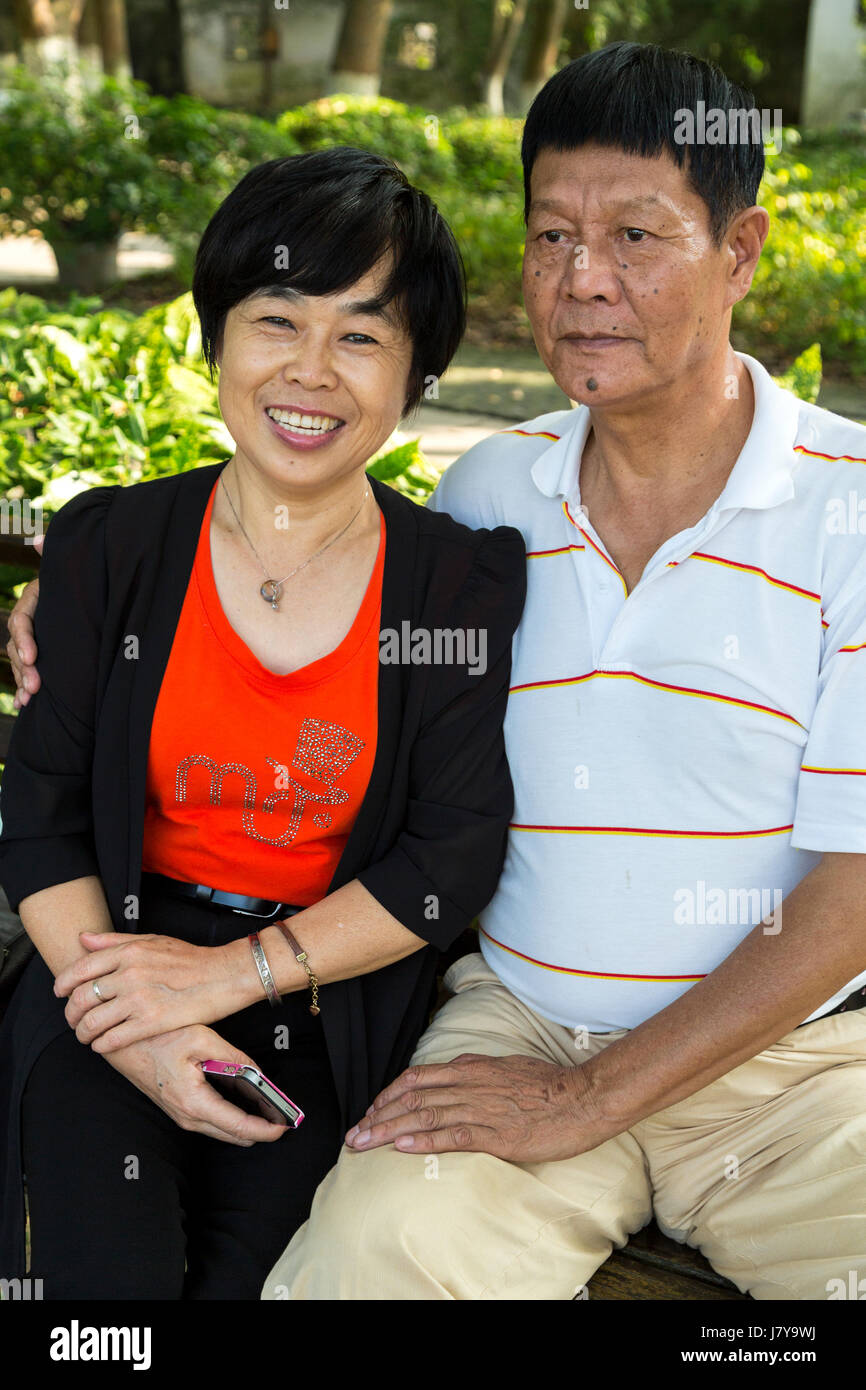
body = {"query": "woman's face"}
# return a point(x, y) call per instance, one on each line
point(311, 386)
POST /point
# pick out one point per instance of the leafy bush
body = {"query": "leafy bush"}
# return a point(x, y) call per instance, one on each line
point(403, 466)
point(118, 159)
point(809, 280)
point(205, 152)
point(489, 230)
point(50, 138)
point(90, 394)
point(803, 377)
point(409, 136)
point(486, 152)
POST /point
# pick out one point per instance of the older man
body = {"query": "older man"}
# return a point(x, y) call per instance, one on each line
point(666, 1014)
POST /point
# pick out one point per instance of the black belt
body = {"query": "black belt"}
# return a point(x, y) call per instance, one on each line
point(857, 1000)
point(238, 902)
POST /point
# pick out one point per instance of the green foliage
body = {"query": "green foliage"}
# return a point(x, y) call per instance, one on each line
point(99, 395)
point(115, 159)
point(489, 231)
point(409, 136)
point(403, 466)
point(809, 281)
point(204, 152)
point(486, 152)
point(69, 168)
point(803, 377)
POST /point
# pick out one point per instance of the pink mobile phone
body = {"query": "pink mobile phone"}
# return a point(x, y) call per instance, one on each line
point(246, 1087)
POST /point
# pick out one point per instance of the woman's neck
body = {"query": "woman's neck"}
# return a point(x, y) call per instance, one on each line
point(283, 523)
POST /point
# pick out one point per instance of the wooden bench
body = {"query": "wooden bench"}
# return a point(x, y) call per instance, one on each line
point(651, 1266)
point(12, 552)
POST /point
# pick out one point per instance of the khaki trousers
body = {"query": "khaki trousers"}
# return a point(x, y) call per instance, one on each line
point(764, 1171)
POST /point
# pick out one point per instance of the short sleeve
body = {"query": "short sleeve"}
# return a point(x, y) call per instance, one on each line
point(462, 491)
point(446, 862)
point(831, 793)
point(45, 795)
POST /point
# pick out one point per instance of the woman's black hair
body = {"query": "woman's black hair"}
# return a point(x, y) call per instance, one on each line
point(628, 95)
point(317, 223)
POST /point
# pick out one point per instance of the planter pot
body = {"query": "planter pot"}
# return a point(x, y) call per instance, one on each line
point(86, 266)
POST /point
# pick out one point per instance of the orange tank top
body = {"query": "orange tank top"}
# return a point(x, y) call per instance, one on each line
point(254, 780)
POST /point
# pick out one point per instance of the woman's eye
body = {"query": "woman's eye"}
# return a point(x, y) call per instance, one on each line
point(276, 318)
point(364, 337)
point(638, 230)
point(546, 236)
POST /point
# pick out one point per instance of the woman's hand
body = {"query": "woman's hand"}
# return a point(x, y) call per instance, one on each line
point(21, 648)
point(168, 1070)
point(148, 985)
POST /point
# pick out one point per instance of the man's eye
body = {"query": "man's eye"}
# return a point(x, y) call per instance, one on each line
point(638, 231)
point(546, 236)
point(276, 318)
point(364, 337)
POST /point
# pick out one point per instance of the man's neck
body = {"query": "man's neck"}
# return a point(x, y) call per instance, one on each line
point(683, 444)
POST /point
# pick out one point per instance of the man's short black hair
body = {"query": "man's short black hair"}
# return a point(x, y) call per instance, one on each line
point(626, 95)
point(335, 212)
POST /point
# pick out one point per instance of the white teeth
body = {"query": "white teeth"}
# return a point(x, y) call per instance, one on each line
point(308, 424)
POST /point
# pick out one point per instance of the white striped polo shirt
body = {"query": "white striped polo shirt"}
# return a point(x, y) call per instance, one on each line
point(681, 756)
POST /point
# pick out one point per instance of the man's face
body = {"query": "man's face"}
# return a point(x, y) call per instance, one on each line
point(618, 245)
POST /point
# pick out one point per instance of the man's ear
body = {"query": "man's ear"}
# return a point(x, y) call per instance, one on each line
point(745, 238)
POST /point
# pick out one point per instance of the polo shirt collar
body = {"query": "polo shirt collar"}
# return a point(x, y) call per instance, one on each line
point(761, 477)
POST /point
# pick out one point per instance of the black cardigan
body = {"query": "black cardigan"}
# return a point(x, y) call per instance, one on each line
point(115, 565)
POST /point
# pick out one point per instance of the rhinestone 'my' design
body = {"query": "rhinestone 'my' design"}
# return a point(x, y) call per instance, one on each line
point(323, 751)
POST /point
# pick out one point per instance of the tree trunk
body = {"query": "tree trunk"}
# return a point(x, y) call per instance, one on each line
point(548, 21)
point(508, 17)
point(89, 46)
point(114, 38)
point(48, 30)
point(577, 31)
point(357, 65)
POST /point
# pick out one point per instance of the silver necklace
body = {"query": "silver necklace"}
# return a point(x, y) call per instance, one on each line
point(272, 588)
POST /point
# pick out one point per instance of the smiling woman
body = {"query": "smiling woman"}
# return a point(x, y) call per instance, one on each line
point(163, 815)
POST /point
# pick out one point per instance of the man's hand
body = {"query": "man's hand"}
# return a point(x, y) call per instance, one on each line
point(517, 1108)
point(168, 1070)
point(148, 984)
point(21, 648)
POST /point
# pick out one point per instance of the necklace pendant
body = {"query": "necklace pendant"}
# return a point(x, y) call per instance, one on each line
point(270, 592)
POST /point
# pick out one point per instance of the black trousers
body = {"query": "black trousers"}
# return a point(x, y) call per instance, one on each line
point(126, 1205)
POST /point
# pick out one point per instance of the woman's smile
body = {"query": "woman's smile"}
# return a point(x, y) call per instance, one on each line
point(303, 429)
